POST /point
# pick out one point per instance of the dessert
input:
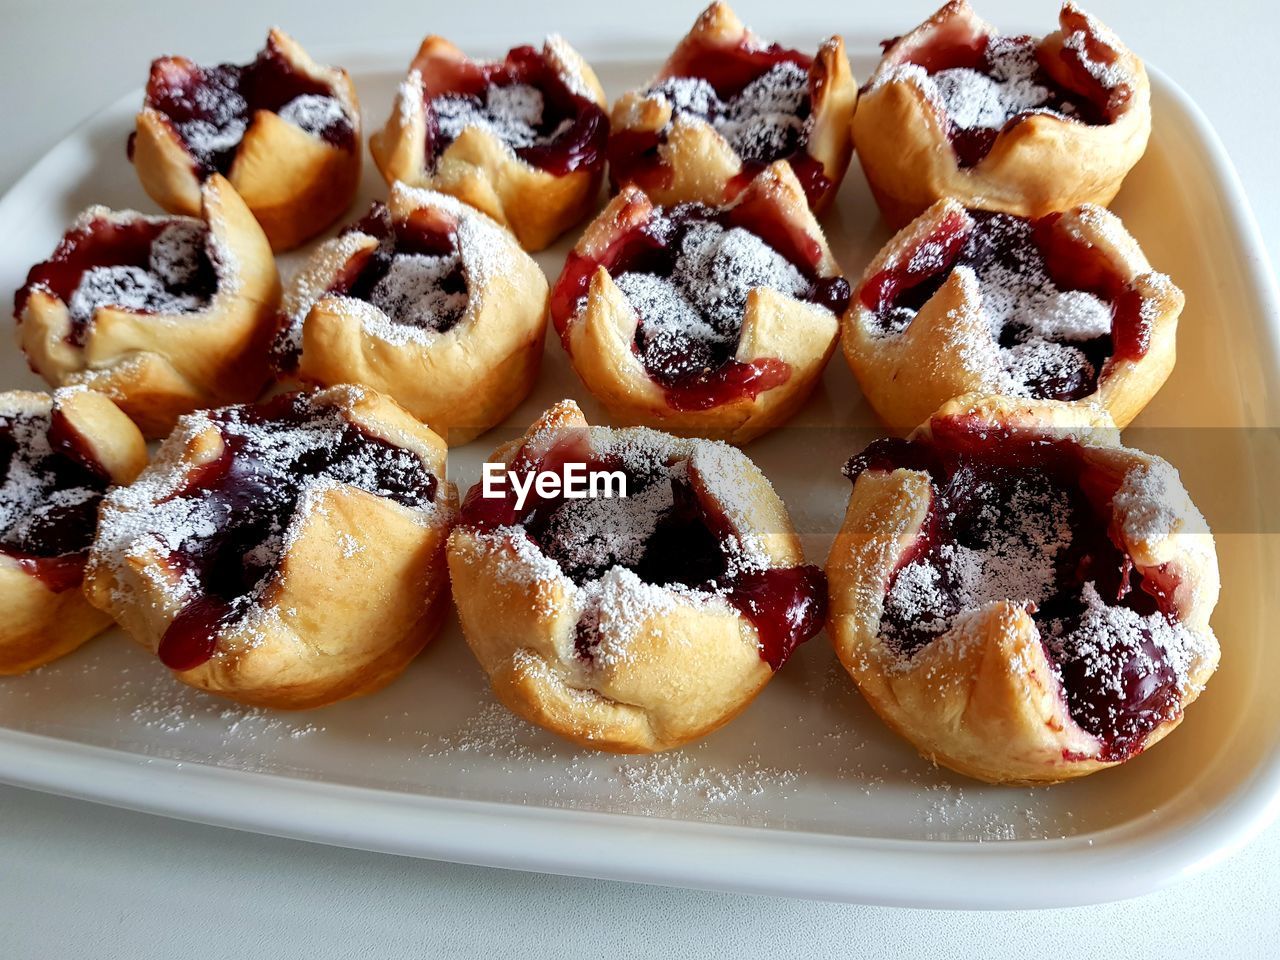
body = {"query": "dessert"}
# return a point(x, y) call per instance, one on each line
point(58, 455)
point(283, 129)
point(1020, 596)
point(521, 139)
point(1061, 307)
point(288, 554)
point(727, 104)
point(162, 314)
point(712, 321)
point(426, 300)
point(629, 623)
point(1007, 123)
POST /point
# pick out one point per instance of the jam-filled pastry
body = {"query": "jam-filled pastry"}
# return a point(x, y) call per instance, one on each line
point(522, 138)
point(1061, 307)
point(283, 129)
point(724, 106)
point(163, 314)
point(288, 554)
point(426, 300)
point(645, 614)
point(709, 321)
point(58, 456)
point(1020, 596)
point(1007, 123)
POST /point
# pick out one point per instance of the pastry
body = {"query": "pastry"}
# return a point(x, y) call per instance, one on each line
point(521, 139)
point(283, 129)
point(710, 321)
point(288, 554)
point(1061, 307)
point(426, 300)
point(58, 456)
point(724, 106)
point(1020, 596)
point(162, 314)
point(643, 614)
point(1003, 123)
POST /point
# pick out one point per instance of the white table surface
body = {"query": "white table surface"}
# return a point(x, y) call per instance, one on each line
point(82, 880)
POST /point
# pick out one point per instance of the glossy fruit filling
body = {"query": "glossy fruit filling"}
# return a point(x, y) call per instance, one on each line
point(414, 276)
point(1056, 308)
point(211, 108)
point(523, 101)
point(1028, 519)
point(50, 488)
point(667, 531)
point(687, 272)
point(240, 509)
point(134, 263)
point(984, 83)
point(758, 97)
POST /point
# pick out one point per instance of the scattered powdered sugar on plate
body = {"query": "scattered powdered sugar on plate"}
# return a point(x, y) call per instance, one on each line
point(762, 123)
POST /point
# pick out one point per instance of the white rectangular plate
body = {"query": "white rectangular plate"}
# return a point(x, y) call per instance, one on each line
point(805, 794)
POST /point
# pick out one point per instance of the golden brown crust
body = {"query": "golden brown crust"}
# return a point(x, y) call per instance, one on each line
point(599, 336)
point(40, 623)
point(697, 163)
point(983, 698)
point(460, 382)
point(295, 183)
point(477, 167)
point(949, 348)
point(159, 366)
point(1039, 163)
point(360, 589)
point(670, 666)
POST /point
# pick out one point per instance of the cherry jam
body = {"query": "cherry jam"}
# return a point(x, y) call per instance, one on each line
point(210, 108)
point(687, 545)
point(697, 374)
point(250, 495)
point(1035, 250)
point(108, 243)
point(50, 500)
point(1088, 100)
point(634, 155)
point(572, 132)
point(1118, 680)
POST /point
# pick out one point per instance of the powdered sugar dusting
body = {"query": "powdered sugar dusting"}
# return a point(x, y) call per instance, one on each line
point(767, 120)
point(697, 311)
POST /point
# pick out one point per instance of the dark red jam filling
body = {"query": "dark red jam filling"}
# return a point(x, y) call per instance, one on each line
point(687, 546)
point(1119, 684)
point(48, 498)
point(426, 233)
point(102, 244)
point(249, 496)
point(1088, 100)
point(729, 71)
point(697, 373)
point(569, 135)
point(211, 108)
point(1031, 252)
